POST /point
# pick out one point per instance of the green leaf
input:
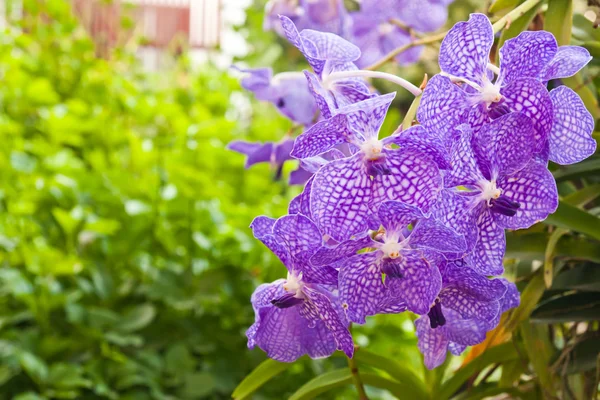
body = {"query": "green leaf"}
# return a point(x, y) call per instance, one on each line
point(395, 369)
point(570, 217)
point(518, 26)
point(322, 384)
point(549, 255)
point(593, 47)
point(497, 354)
point(67, 376)
point(401, 391)
point(411, 113)
point(529, 298)
point(584, 356)
point(585, 168)
point(582, 197)
point(197, 385)
point(500, 5)
point(35, 367)
point(540, 352)
point(533, 246)
point(584, 277)
point(487, 391)
point(559, 20)
point(263, 373)
point(573, 307)
point(136, 318)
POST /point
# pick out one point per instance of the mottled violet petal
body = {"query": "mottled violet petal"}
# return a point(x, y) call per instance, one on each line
point(256, 79)
point(339, 198)
point(395, 215)
point(321, 137)
point(531, 98)
point(526, 55)
point(503, 146)
point(391, 302)
point(470, 282)
point(433, 235)
point(454, 209)
point(256, 152)
point(463, 331)
point(511, 298)
point(328, 46)
point(350, 91)
point(299, 176)
point(425, 141)
point(464, 168)
point(468, 306)
point(442, 106)
point(420, 282)
point(361, 286)
point(535, 190)
point(323, 98)
point(299, 234)
point(466, 48)
point(262, 225)
point(570, 139)
point(330, 317)
point(567, 61)
point(432, 343)
point(413, 179)
point(366, 117)
point(281, 151)
point(486, 257)
point(456, 349)
point(301, 203)
point(329, 255)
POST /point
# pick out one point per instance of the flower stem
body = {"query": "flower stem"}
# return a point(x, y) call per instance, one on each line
point(459, 79)
point(514, 14)
point(371, 74)
point(493, 68)
point(362, 395)
point(402, 49)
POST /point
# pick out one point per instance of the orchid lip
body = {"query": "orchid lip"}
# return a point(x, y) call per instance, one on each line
point(436, 316)
point(505, 206)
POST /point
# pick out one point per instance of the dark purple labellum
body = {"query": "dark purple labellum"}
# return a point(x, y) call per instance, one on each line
point(505, 206)
point(286, 301)
point(497, 110)
point(436, 317)
point(391, 268)
point(280, 102)
point(377, 167)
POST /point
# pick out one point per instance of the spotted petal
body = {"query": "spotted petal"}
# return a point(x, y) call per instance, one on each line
point(395, 215)
point(526, 55)
point(420, 282)
point(361, 286)
point(323, 98)
point(463, 331)
point(443, 106)
point(322, 304)
point(471, 283)
point(433, 235)
point(570, 139)
point(321, 137)
point(486, 257)
point(464, 168)
point(432, 343)
point(468, 306)
point(503, 146)
point(454, 209)
point(511, 298)
point(535, 190)
point(330, 255)
point(531, 98)
point(339, 198)
point(567, 61)
point(423, 140)
point(301, 203)
point(413, 179)
point(466, 48)
point(366, 117)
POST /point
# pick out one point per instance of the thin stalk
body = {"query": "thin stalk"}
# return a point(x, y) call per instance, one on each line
point(497, 26)
point(402, 49)
point(459, 79)
point(360, 388)
point(514, 14)
point(411, 113)
point(335, 76)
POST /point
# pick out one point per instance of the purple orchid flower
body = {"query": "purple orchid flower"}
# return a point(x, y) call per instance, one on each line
point(526, 63)
point(506, 188)
point(344, 192)
point(288, 91)
point(412, 279)
point(376, 36)
point(274, 153)
point(321, 15)
point(301, 314)
point(468, 305)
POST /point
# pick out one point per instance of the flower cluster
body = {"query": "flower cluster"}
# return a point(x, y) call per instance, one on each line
point(415, 221)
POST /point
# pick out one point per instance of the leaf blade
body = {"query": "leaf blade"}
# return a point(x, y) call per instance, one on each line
point(264, 372)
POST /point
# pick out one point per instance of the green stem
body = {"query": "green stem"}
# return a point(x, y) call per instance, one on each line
point(514, 14)
point(360, 388)
point(410, 114)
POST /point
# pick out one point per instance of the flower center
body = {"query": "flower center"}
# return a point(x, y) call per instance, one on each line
point(489, 191)
point(293, 285)
point(490, 93)
point(372, 149)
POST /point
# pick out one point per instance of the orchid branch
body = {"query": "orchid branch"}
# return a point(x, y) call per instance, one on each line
point(360, 388)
